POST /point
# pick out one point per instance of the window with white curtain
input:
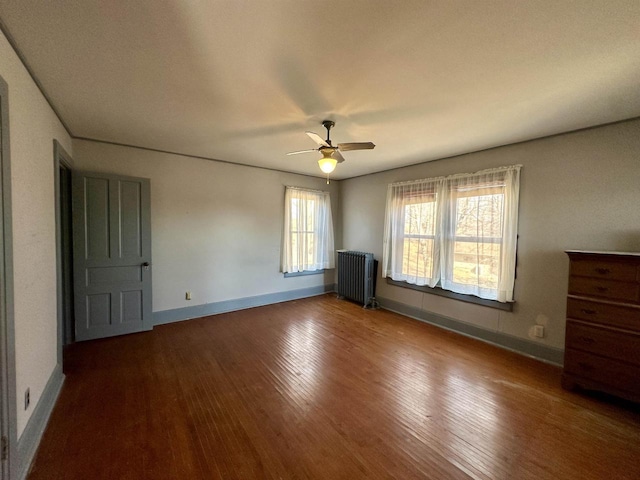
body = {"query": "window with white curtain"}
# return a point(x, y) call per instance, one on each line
point(308, 231)
point(458, 233)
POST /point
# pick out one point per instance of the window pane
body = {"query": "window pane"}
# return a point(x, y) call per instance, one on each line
point(309, 248)
point(476, 264)
point(417, 258)
point(419, 218)
point(479, 216)
point(309, 218)
point(294, 250)
point(295, 209)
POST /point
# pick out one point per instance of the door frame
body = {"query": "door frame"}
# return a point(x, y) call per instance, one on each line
point(61, 160)
point(8, 407)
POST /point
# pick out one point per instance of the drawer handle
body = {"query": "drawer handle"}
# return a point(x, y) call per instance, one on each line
point(585, 366)
point(588, 311)
point(602, 289)
point(603, 271)
point(587, 340)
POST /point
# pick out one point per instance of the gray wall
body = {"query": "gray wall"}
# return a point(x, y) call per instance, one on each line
point(578, 191)
point(33, 127)
point(216, 227)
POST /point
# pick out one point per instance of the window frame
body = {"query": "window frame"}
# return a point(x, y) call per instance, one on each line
point(474, 191)
point(401, 227)
point(446, 192)
point(304, 273)
point(317, 233)
point(303, 233)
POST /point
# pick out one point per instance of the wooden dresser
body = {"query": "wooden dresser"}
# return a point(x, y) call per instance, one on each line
point(602, 345)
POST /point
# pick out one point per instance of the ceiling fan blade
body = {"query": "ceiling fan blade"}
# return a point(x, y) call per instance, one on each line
point(303, 151)
point(338, 156)
point(345, 147)
point(317, 138)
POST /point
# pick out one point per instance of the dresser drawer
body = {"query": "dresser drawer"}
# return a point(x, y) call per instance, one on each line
point(604, 313)
point(608, 372)
point(610, 289)
point(622, 346)
point(626, 272)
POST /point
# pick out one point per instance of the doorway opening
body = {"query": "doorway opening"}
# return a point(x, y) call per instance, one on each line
point(64, 248)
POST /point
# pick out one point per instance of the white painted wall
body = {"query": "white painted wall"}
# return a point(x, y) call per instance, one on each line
point(216, 227)
point(33, 127)
point(578, 191)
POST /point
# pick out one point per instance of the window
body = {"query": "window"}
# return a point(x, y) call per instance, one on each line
point(308, 231)
point(458, 233)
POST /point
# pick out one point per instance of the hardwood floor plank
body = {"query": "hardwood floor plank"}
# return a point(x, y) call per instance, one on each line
point(321, 389)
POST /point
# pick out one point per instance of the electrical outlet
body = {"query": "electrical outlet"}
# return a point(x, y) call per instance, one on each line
point(27, 398)
point(538, 331)
point(187, 296)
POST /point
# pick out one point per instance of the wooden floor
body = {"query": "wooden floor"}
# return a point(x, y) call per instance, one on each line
point(322, 389)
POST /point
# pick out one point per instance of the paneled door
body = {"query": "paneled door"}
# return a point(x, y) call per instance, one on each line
point(111, 255)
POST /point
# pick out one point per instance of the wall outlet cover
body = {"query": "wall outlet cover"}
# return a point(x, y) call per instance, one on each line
point(538, 331)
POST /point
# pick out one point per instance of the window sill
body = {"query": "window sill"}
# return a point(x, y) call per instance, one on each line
point(303, 273)
point(507, 307)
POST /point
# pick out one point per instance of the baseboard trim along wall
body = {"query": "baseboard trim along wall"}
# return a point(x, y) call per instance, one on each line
point(32, 434)
point(509, 342)
point(197, 311)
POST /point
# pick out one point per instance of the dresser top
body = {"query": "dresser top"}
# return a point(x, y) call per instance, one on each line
point(593, 252)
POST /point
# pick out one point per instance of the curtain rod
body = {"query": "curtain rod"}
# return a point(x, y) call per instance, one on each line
point(306, 189)
point(457, 175)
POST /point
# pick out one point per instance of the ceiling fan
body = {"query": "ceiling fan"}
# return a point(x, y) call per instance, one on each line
point(331, 155)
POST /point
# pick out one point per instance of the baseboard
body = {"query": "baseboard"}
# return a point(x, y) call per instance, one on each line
point(28, 443)
point(197, 311)
point(509, 342)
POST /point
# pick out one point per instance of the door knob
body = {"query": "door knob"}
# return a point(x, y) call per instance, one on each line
point(146, 265)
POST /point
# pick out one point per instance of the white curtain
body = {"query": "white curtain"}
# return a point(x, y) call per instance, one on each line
point(458, 232)
point(480, 233)
point(411, 251)
point(308, 231)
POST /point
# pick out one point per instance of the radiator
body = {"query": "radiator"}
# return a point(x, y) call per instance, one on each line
point(357, 273)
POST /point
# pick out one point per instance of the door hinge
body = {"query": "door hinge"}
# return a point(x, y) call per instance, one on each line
point(5, 448)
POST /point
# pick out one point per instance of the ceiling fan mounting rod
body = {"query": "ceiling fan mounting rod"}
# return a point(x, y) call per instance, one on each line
point(328, 124)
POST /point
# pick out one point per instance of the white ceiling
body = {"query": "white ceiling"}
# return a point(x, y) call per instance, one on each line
point(241, 81)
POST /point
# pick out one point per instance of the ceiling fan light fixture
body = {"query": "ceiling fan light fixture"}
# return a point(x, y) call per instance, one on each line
point(327, 163)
